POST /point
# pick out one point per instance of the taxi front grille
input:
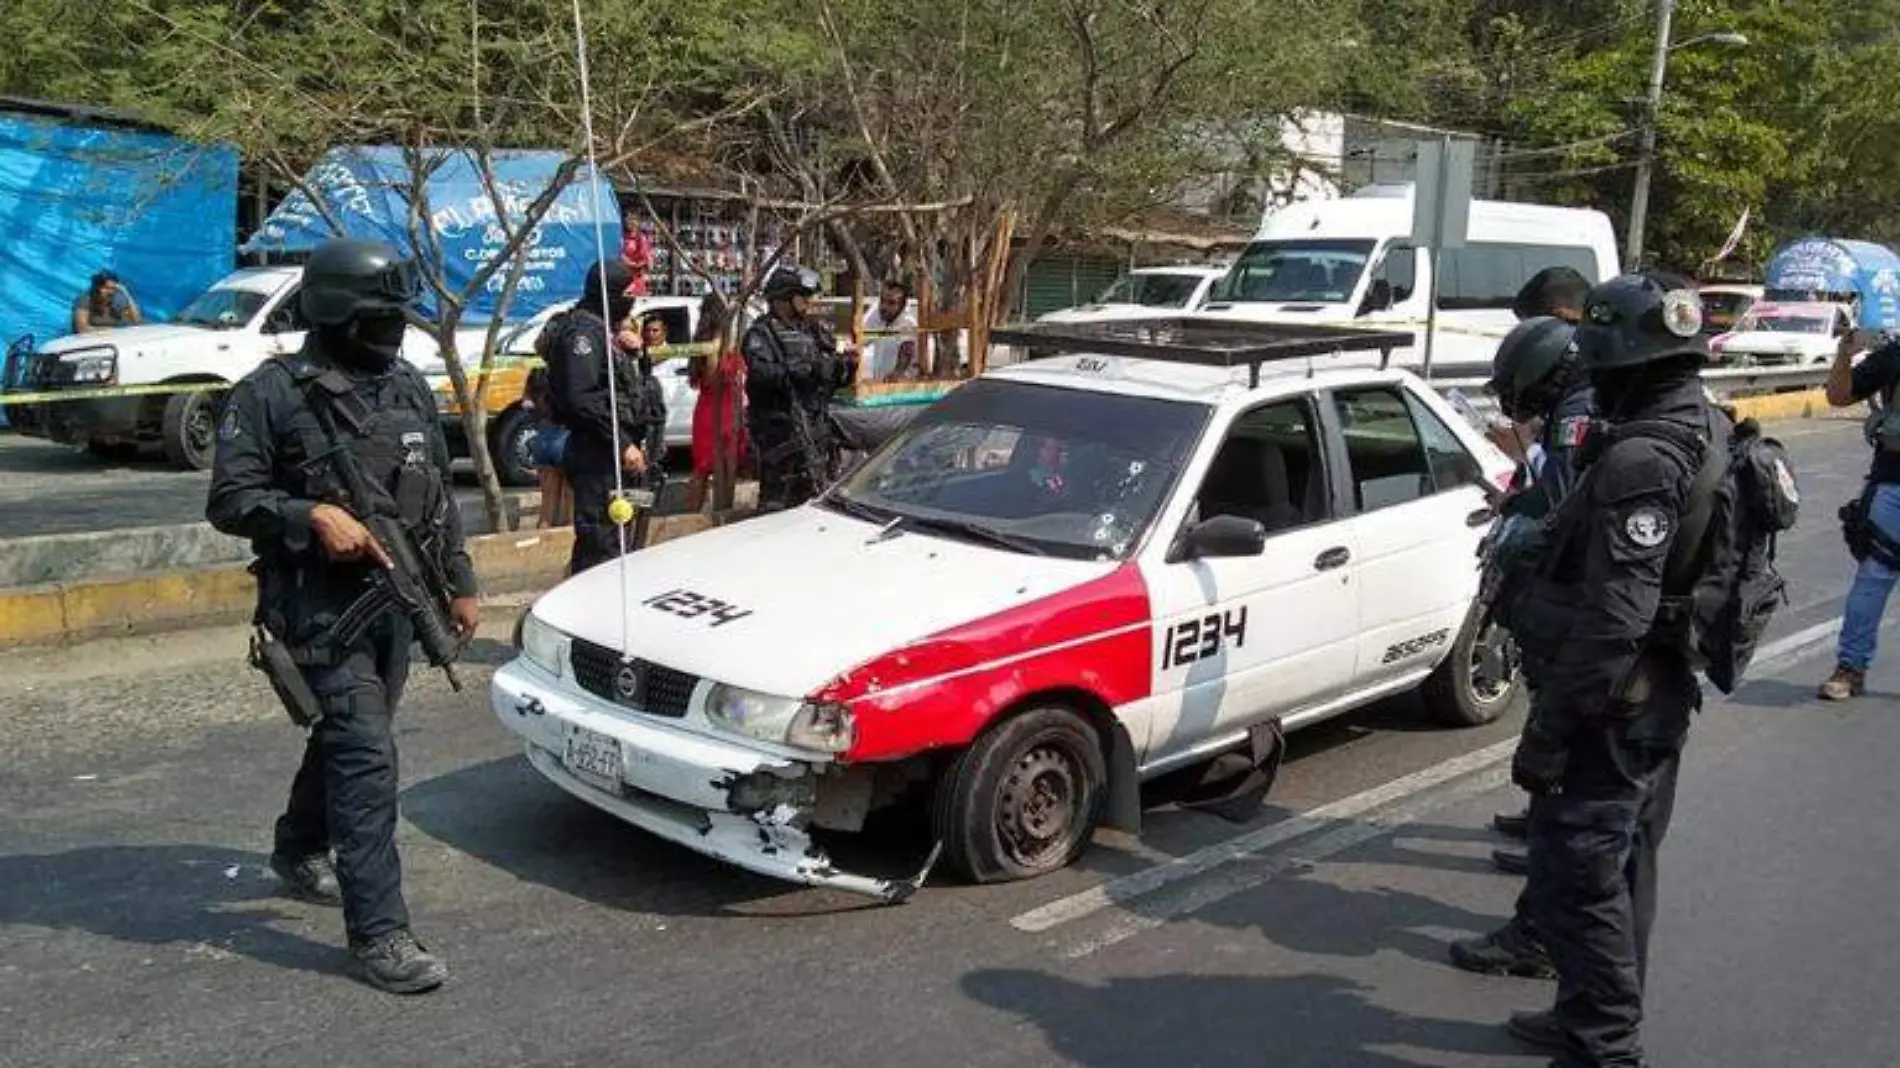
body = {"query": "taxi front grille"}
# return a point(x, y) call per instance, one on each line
point(639, 685)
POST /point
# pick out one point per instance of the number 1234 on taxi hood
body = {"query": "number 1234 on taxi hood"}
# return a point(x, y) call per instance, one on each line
point(793, 602)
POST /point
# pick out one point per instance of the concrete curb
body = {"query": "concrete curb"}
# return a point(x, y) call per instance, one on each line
point(60, 613)
point(1805, 404)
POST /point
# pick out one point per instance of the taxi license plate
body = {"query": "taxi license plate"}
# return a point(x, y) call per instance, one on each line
point(593, 758)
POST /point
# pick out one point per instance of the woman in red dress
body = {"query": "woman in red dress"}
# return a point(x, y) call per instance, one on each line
point(719, 414)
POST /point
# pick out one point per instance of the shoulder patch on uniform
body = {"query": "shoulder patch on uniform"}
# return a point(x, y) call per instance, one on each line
point(1572, 431)
point(1647, 526)
point(230, 428)
point(583, 345)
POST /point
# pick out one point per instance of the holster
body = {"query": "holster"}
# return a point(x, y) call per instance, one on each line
point(1862, 537)
point(271, 657)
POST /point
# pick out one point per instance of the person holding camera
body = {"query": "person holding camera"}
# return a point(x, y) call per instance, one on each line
point(1872, 521)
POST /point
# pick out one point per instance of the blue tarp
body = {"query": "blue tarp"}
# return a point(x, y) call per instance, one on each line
point(367, 189)
point(158, 211)
point(1823, 268)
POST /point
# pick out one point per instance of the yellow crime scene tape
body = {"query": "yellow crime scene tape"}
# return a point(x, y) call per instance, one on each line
point(512, 363)
point(109, 392)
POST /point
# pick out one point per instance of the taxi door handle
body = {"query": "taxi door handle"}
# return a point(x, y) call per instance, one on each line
point(1332, 558)
point(1480, 517)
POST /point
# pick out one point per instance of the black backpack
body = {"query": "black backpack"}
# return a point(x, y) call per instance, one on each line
point(1720, 585)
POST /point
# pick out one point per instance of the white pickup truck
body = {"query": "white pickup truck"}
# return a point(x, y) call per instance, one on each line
point(244, 319)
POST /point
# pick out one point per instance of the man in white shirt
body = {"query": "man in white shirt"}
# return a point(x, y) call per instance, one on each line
point(891, 357)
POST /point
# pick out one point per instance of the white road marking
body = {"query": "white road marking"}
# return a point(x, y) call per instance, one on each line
point(1193, 897)
point(1128, 888)
point(1147, 881)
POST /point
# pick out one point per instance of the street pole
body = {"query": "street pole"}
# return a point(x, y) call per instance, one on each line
point(1639, 203)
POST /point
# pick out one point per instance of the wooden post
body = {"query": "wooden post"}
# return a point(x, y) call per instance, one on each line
point(926, 315)
point(857, 331)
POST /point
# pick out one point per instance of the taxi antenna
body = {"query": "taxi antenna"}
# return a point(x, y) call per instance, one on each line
point(606, 313)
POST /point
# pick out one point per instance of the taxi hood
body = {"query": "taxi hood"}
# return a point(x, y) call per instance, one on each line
point(785, 603)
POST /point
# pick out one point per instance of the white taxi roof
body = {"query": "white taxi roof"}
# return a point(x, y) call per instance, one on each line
point(1195, 383)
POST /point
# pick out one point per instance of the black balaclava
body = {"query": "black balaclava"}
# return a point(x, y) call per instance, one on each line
point(618, 278)
point(371, 342)
point(1621, 390)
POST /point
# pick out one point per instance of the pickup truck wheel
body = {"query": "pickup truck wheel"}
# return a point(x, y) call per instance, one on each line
point(1480, 679)
point(1023, 800)
point(510, 445)
point(190, 429)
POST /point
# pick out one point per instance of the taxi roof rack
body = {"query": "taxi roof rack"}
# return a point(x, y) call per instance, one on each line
point(1199, 340)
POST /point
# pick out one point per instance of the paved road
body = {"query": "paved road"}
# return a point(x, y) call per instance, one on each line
point(137, 925)
point(58, 489)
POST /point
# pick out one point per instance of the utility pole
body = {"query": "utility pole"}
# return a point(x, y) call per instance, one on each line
point(1639, 203)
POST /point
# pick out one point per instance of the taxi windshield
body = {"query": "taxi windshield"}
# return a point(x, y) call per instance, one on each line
point(1030, 468)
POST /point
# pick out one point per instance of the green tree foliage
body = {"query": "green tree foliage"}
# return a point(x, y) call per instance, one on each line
point(1797, 126)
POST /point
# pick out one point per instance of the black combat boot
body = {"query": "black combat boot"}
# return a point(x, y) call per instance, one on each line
point(1511, 861)
point(1513, 824)
point(1537, 1029)
point(1510, 950)
point(396, 962)
point(311, 879)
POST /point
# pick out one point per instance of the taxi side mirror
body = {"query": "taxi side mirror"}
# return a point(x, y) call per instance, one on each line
point(1222, 536)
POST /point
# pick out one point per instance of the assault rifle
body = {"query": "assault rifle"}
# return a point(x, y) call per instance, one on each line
point(414, 583)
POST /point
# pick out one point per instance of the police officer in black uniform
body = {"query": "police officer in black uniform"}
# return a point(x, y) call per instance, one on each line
point(1558, 293)
point(611, 426)
point(277, 481)
point(792, 368)
point(1536, 378)
point(1615, 684)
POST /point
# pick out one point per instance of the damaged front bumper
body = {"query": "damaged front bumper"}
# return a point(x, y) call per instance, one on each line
point(724, 799)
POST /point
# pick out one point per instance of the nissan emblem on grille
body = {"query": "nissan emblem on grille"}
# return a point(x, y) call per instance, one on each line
point(627, 683)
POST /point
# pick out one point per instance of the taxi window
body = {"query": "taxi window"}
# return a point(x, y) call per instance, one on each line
point(1384, 451)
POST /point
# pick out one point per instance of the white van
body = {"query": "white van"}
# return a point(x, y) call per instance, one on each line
point(1351, 260)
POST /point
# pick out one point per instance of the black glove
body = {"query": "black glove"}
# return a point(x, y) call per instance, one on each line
point(1538, 765)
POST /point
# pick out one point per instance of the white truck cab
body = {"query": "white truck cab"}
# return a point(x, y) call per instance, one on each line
point(1351, 261)
point(1145, 292)
point(247, 317)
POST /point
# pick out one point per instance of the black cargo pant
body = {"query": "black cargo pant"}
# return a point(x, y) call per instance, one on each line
point(590, 475)
point(787, 477)
point(344, 795)
point(1593, 855)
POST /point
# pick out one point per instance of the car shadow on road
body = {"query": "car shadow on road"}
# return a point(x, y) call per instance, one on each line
point(1298, 1021)
point(529, 828)
point(157, 895)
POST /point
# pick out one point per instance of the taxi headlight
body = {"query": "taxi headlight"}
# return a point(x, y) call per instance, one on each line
point(542, 645)
point(792, 721)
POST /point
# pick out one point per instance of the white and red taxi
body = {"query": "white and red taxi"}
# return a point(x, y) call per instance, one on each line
point(1067, 576)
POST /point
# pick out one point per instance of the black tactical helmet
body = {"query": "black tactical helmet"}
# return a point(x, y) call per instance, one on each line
point(347, 278)
point(1635, 319)
point(1530, 355)
point(789, 281)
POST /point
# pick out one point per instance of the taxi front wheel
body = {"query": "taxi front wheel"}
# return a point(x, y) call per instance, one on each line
point(1480, 680)
point(1024, 798)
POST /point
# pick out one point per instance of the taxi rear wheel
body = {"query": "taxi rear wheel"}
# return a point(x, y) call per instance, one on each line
point(1023, 799)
